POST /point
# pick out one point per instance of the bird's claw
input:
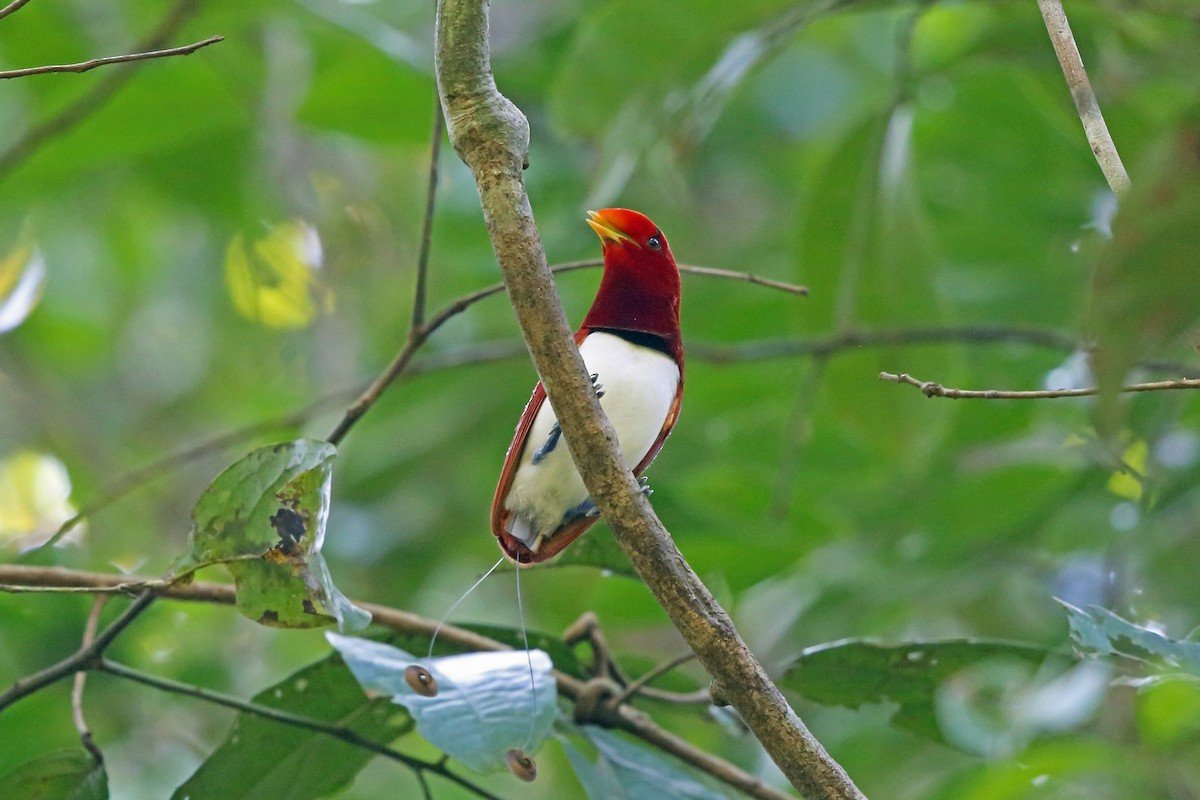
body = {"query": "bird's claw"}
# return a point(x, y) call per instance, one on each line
point(551, 442)
point(644, 483)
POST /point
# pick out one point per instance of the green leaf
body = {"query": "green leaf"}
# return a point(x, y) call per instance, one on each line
point(262, 758)
point(484, 704)
point(854, 671)
point(597, 548)
point(631, 772)
point(269, 511)
point(1099, 631)
point(63, 775)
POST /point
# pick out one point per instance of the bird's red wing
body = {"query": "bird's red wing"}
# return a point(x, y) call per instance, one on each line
point(501, 515)
point(668, 424)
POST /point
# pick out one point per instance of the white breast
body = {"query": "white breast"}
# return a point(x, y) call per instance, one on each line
point(639, 387)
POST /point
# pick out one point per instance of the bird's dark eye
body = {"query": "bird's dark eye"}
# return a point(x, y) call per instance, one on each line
point(654, 243)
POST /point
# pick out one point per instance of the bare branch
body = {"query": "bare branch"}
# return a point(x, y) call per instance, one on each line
point(84, 66)
point(15, 5)
point(96, 97)
point(1094, 126)
point(931, 389)
point(626, 718)
point(637, 684)
point(491, 135)
point(744, 276)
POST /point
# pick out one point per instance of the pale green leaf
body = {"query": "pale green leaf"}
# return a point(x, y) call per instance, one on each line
point(484, 704)
point(1099, 631)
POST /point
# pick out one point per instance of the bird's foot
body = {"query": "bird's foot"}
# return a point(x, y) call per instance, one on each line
point(551, 442)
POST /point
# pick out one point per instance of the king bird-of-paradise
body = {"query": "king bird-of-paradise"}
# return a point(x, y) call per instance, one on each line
point(631, 346)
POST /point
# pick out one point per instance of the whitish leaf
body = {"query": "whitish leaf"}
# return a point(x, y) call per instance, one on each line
point(269, 511)
point(484, 704)
point(22, 279)
point(274, 280)
point(63, 775)
point(261, 758)
point(1097, 630)
point(853, 672)
point(626, 771)
point(35, 492)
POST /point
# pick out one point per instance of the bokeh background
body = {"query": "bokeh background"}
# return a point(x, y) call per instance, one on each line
point(226, 244)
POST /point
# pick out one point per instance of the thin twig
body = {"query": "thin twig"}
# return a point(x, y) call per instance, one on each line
point(84, 66)
point(82, 659)
point(418, 334)
point(77, 690)
point(757, 280)
point(931, 389)
point(435, 150)
point(1094, 126)
point(287, 718)
point(96, 97)
point(662, 669)
point(627, 718)
point(15, 5)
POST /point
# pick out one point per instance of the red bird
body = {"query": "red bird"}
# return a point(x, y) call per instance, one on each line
point(631, 345)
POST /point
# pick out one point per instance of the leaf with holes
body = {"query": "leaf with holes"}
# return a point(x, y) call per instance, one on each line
point(265, 517)
point(484, 704)
point(1097, 630)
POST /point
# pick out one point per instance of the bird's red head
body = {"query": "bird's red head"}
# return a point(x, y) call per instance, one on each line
point(640, 288)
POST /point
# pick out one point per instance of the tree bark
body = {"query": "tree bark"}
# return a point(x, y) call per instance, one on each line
point(491, 135)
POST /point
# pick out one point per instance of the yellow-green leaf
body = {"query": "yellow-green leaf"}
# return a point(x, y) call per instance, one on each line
point(1127, 483)
point(35, 492)
point(275, 280)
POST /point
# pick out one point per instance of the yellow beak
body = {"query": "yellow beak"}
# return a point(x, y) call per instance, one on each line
point(605, 229)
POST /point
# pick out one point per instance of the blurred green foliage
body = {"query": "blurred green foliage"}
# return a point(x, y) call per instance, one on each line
point(916, 165)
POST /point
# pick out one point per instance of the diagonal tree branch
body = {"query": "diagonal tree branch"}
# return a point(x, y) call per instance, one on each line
point(15, 5)
point(491, 135)
point(1094, 126)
